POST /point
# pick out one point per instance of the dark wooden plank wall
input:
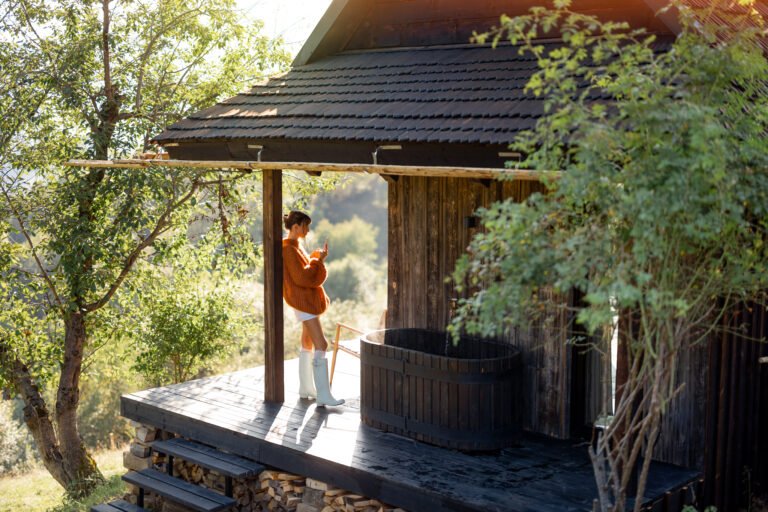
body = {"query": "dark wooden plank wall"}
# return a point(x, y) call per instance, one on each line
point(590, 373)
point(717, 423)
point(429, 228)
point(682, 430)
point(547, 365)
point(735, 448)
point(428, 232)
point(389, 23)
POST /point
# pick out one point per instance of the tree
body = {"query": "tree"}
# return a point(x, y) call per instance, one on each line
point(186, 313)
point(88, 78)
point(659, 214)
point(353, 237)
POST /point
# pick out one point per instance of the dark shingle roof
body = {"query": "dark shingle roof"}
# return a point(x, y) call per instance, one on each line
point(454, 94)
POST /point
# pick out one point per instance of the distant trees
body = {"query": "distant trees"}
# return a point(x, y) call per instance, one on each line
point(659, 215)
point(353, 270)
point(96, 79)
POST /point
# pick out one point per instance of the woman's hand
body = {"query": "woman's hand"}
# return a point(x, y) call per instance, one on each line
point(324, 251)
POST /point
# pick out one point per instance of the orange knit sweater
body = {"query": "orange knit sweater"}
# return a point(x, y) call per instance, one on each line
point(303, 278)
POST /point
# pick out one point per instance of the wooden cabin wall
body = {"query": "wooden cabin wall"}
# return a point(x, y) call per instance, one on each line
point(390, 23)
point(682, 430)
point(591, 373)
point(547, 372)
point(429, 228)
point(736, 410)
point(717, 423)
point(428, 231)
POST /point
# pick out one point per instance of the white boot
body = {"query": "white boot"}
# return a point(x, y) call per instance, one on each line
point(306, 379)
point(324, 396)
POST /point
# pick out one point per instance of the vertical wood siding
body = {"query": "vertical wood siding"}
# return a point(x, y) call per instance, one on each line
point(428, 231)
point(682, 430)
point(718, 422)
point(388, 23)
point(735, 449)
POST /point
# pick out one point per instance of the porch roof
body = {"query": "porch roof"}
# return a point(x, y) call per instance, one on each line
point(453, 105)
point(454, 94)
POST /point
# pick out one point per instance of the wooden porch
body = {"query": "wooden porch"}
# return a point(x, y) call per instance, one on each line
point(229, 412)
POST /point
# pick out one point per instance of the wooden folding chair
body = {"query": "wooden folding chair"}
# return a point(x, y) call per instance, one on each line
point(352, 349)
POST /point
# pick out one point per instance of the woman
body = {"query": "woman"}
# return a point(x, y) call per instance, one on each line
point(303, 278)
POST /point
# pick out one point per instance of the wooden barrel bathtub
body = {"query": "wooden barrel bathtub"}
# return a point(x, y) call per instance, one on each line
point(462, 396)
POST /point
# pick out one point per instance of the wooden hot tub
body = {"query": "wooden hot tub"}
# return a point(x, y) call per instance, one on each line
point(415, 384)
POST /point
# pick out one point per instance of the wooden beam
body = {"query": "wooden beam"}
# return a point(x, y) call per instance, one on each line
point(392, 170)
point(274, 385)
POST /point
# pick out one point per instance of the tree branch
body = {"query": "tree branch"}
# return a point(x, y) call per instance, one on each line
point(108, 89)
point(147, 53)
point(28, 238)
point(162, 225)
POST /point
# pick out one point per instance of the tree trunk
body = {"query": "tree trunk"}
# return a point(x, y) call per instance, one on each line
point(38, 420)
point(79, 465)
point(60, 446)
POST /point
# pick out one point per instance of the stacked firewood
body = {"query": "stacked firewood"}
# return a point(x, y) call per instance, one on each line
point(272, 490)
point(333, 499)
point(139, 456)
point(195, 474)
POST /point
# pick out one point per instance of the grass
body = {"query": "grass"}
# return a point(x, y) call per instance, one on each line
point(37, 491)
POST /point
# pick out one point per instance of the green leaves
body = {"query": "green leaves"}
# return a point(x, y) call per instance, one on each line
point(659, 217)
point(183, 311)
point(658, 207)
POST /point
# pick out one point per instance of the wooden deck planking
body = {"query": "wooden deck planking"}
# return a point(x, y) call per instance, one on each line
point(332, 445)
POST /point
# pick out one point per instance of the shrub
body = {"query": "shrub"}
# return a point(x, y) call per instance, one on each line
point(353, 278)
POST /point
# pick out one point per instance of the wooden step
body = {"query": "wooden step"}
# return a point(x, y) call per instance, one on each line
point(179, 491)
point(209, 458)
point(117, 506)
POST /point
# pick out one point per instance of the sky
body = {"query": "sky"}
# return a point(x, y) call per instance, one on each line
point(291, 19)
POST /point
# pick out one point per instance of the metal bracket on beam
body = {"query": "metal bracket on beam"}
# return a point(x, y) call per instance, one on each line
point(386, 147)
point(259, 149)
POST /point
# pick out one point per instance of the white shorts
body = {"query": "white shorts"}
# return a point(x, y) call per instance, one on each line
point(302, 316)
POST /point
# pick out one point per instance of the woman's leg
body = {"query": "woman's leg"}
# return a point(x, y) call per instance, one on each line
point(306, 339)
point(306, 378)
point(320, 364)
point(316, 334)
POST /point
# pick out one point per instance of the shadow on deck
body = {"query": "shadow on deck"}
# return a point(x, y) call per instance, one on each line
point(332, 445)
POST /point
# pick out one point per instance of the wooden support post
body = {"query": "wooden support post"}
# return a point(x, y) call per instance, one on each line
point(274, 388)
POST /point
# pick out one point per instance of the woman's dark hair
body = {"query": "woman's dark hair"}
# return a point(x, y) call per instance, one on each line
point(295, 217)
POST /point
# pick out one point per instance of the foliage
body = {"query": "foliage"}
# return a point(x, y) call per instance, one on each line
point(354, 278)
point(37, 491)
point(107, 376)
point(185, 326)
point(660, 210)
point(299, 187)
point(366, 316)
point(353, 237)
point(113, 488)
point(97, 79)
point(361, 195)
